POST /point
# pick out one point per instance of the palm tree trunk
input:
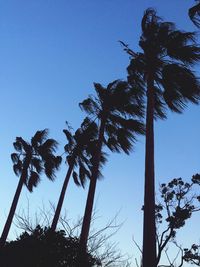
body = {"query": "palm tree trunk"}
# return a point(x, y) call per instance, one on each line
point(149, 227)
point(61, 198)
point(91, 193)
point(12, 211)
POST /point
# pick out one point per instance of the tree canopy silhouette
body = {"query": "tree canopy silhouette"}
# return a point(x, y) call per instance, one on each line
point(30, 161)
point(44, 248)
point(119, 124)
point(162, 72)
point(80, 151)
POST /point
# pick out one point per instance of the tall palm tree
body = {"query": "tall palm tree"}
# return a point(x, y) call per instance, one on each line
point(194, 14)
point(118, 126)
point(79, 148)
point(163, 72)
point(30, 161)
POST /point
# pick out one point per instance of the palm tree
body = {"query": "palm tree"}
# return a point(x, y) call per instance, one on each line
point(194, 14)
point(79, 149)
point(164, 75)
point(30, 161)
point(118, 127)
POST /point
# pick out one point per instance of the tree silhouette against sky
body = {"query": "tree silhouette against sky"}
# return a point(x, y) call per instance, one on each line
point(163, 73)
point(30, 161)
point(79, 151)
point(118, 114)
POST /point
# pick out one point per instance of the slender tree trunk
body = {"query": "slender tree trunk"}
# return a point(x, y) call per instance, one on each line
point(61, 198)
point(149, 226)
point(12, 211)
point(91, 193)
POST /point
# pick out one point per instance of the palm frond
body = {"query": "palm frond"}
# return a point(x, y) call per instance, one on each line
point(127, 49)
point(37, 164)
point(22, 144)
point(15, 157)
point(83, 173)
point(17, 145)
point(194, 14)
point(181, 46)
point(149, 19)
point(18, 167)
point(159, 104)
point(48, 147)
point(181, 86)
point(70, 139)
point(113, 144)
point(101, 92)
point(90, 106)
point(75, 177)
point(33, 180)
point(125, 139)
point(39, 137)
point(49, 169)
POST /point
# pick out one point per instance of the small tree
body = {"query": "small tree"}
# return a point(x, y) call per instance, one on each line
point(30, 161)
point(178, 202)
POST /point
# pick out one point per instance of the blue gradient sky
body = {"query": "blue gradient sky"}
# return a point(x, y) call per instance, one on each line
point(51, 53)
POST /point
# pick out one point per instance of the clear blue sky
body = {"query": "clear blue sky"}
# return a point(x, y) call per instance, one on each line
point(51, 52)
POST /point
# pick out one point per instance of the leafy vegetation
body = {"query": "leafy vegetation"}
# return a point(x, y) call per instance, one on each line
point(160, 77)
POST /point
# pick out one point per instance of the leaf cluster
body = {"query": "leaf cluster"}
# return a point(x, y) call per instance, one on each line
point(34, 158)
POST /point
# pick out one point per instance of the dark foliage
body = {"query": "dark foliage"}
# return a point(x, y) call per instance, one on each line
point(192, 255)
point(168, 55)
point(45, 248)
point(194, 14)
point(179, 201)
point(34, 158)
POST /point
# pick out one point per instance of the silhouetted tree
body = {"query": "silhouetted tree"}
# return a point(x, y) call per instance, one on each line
point(100, 246)
point(79, 149)
point(118, 127)
point(179, 200)
point(44, 248)
point(194, 14)
point(30, 161)
point(163, 73)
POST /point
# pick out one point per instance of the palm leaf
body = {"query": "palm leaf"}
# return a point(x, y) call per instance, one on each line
point(194, 14)
point(17, 145)
point(75, 177)
point(39, 137)
point(48, 147)
point(18, 167)
point(15, 157)
point(33, 180)
point(180, 85)
point(37, 164)
point(22, 144)
point(90, 106)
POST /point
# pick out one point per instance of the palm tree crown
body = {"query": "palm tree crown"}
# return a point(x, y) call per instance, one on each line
point(35, 157)
point(80, 150)
point(168, 55)
point(120, 109)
